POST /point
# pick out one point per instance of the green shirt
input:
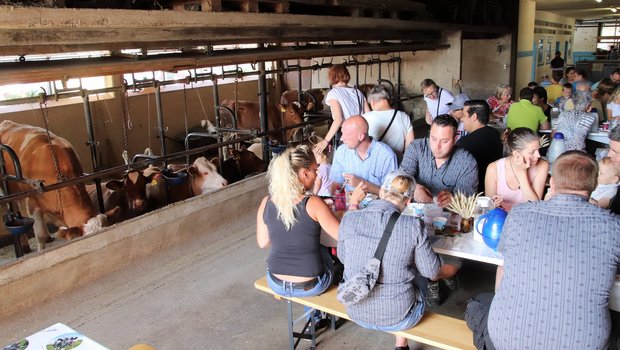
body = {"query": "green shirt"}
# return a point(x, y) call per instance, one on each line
point(524, 114)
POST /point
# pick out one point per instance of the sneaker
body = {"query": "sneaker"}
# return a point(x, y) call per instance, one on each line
point(434, 296)
point(452, 283)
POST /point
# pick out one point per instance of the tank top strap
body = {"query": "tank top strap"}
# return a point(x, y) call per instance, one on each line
point(501, 173)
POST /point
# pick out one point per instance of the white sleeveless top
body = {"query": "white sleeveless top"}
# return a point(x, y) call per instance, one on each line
point(351, 100)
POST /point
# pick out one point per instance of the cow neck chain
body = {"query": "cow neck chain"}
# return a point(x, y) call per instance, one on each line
point(186, 123)
point(125, 116)
point(59, 176)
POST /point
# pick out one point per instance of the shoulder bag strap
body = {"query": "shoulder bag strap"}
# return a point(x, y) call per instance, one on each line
point(360, 99)
point(438, 102)
point(386, 236)
point(388, 127)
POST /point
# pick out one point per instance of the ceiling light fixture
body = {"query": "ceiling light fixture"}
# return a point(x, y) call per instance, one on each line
point(599, 0)
point(613, 9)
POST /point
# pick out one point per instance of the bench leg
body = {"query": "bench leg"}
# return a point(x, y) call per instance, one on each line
point(289, 312)
point(299, 336)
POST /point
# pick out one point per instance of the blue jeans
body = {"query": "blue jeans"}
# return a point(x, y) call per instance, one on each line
point(325, 281)
point(413, 317)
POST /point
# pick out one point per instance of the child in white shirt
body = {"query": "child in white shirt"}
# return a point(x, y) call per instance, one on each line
point(322, 184)
point(608, 182)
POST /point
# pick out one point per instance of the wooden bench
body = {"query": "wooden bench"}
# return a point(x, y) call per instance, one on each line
point(434, 329)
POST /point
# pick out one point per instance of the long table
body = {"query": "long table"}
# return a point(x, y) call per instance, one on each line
point(466, 247)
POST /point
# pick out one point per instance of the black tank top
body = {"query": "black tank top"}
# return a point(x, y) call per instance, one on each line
point(294, 252)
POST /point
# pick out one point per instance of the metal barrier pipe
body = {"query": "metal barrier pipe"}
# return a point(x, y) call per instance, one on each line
point(262, 98)
point(160, 119)
point(92, 145)
point(218, 119)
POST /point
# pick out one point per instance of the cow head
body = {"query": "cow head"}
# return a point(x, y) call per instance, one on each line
point(204, 176)
point(93, 225)
point(247, 162)
point(132, 193)
point(291, 114)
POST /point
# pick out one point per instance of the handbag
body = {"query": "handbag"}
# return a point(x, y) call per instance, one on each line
point(388, 127)
point(357, 288)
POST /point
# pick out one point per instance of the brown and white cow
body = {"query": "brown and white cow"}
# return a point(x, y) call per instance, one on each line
point(70, 207)
point(248, 117)
point(311, 100)
point(129, 194)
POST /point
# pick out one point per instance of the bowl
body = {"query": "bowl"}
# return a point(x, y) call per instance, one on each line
point(18, 226)
point(175, 179)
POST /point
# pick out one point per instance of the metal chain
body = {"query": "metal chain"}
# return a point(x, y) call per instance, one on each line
point(45, 114)
point(125, 106)
point(59, 176)
point(200, 100)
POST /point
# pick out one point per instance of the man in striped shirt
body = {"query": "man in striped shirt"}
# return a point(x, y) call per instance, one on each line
point(561, 258)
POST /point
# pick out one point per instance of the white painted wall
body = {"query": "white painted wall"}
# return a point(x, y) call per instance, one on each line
point(585, 39)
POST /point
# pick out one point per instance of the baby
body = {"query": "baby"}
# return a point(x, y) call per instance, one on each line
point(567, 93)
point(608, 182)
point(322, 184)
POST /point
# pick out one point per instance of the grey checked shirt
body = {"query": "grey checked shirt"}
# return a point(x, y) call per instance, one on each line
point(408, 254)
point(560, 261)
point(459, 173)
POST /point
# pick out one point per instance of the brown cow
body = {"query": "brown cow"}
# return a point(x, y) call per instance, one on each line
point(129, 194)
point(311, 100)
point(69, 207)
point(240, 165)
point(248, 117)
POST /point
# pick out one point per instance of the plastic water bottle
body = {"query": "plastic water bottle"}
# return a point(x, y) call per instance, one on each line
point(556, 148)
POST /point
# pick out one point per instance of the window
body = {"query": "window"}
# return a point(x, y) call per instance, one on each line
point(16, 91)
point(541, 53)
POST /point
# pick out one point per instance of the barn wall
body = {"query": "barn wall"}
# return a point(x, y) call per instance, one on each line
point(485, 66)
point(204, 219)
point(67, 119)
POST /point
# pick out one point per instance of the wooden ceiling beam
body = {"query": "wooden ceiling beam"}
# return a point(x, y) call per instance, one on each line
point(50, 30)
point(40, 41)
point(31, 72)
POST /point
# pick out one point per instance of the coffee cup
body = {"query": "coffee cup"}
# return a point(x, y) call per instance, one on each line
point(439, 223)
point(605, 125)
point(416, 208)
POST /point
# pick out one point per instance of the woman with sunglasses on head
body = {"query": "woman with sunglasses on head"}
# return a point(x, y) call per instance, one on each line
point(344, 101)
point(521, 176)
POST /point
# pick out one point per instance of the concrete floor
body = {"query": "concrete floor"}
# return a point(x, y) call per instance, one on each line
point(199, 295)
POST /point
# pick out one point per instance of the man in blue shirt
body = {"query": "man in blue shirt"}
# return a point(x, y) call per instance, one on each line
point(360, 158)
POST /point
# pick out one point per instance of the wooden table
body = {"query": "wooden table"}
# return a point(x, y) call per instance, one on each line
point(466, 247)
point(463, 246)
point(599, 136)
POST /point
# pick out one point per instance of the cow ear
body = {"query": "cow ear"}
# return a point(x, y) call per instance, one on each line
point(281, 107)
point(114, 185)
point(310, 106)
point(113, 215)
point(297, 104)
point(193, 171)
point(215, 161)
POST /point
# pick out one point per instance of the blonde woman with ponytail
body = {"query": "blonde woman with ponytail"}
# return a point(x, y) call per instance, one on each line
point(290, 222)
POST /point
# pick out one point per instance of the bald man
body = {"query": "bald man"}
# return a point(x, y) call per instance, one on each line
point(360, 158)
